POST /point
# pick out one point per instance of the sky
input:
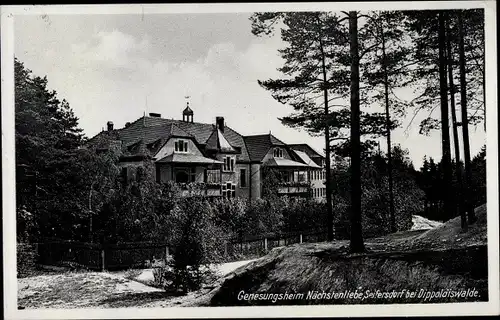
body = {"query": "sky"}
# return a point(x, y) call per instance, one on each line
point(118, 67)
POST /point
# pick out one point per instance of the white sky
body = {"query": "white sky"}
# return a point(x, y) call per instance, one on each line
point(116, 67)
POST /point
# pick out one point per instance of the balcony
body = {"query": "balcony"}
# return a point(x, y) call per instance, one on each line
point(208, 189)
point(293, 187)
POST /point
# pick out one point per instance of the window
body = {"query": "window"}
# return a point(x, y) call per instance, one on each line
point(278, 153)
point(213, 176)
point(193, 174)
point(228, 190)
point(181, 146)
point(228, 164)
point(185, 175)
point(243, 178)
point(301, 176)
point(181, 176)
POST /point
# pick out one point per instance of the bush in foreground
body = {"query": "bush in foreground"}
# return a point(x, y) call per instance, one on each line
point(197, 243)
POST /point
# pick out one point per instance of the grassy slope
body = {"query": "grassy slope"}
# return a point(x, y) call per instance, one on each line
point(442, 258)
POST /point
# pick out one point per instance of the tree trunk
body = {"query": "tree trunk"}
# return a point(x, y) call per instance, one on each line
point(91, 218)
point(445, 126)
point(465, 122)
point(392, 214)
point(458, 165)
point(329, 205)
point(356, 242)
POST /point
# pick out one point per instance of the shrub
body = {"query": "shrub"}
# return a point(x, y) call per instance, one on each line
point(264, 216)
point(197, 243)
point(26, 260)
point(375, 195)
point(231, 215)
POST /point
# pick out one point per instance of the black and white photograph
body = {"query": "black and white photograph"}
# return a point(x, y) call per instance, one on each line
point(265, 159)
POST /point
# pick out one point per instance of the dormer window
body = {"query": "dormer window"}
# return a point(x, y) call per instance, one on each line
point(181, 146)
point(278, 153)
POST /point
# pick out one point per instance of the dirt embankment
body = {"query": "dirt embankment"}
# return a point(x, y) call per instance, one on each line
point(444, 264)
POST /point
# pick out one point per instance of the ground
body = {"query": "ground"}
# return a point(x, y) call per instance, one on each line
point(421, 223)
point(442, 259)
point(100, 289)
point(133, 287)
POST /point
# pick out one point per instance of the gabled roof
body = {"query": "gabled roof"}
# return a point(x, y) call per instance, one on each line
point(259, 145)
point(218, 142)
point(137, 139)
point(281, 162)
point(133, 133)
point(304, 147)
point(188, 158)
point(151, 129)
point(305, 158)
point(139, 148)
point(202, 132)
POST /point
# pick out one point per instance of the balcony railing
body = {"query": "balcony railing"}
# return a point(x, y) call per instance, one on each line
point(291, 187)
point(210, 189)
point(294, 184)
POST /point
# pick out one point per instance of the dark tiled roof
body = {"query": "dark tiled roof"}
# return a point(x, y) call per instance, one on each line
point(275, 141)
point(149, 134)
point(307, 149)
point(259, 145)
point(202, 132)
point(277, 162)
point(306, 159)
point(137, 149)
point(152, 129)
point(187, 110)
point(188, 158)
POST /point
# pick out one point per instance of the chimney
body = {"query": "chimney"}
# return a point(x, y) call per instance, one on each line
point(110, 125)
point(220, 123)
point(127, 124)
point(155, 115)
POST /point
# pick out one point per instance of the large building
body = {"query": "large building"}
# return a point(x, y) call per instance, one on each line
point(214, 155)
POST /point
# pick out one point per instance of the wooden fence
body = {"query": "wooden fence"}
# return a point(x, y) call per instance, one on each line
point(96, 256)
point(251, 247)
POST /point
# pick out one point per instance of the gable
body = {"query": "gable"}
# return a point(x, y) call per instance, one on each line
point(202, 133)
point(270, 154)
point(307, 149)
point(169, 147)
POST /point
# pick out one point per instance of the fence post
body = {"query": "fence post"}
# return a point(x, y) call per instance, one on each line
point(300, 238)
point(166, 253)
point(103, 261)
point(265, 244)
point(225, 248)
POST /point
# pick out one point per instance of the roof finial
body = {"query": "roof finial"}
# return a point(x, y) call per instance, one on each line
point(187, 114)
